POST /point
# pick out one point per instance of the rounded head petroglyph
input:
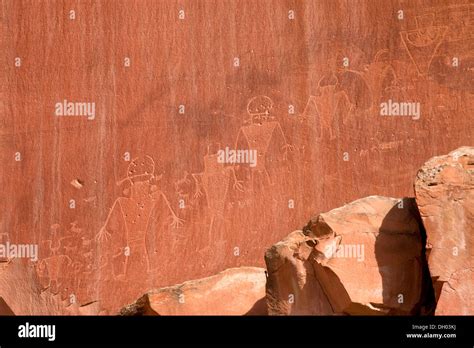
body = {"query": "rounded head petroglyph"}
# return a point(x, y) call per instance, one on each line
point(260, 105)
point(141, 168)
point(258, 108)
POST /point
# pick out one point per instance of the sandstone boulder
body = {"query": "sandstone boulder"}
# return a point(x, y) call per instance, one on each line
point(369, 257)
point(292, 288)
point(444, 190)
point(235, 291)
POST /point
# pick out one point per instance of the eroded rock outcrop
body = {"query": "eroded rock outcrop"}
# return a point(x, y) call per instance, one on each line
point(235, 291)
point(444, 190)
point(292, 288)
point(369, 257)
point(365, 258)
point(385, 256)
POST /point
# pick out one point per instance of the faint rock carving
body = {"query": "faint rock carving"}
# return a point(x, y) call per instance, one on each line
point(128, 233)
point(461, 22)
point(326, 109)
point(65, 260)
point(52, 271)
point(459, 18)
point(188, 189)
point(422, 43)
point(356, 88)
point(213, 183)
point(460, 78)
point(384, 82)
point(79, 249)
point(53, 244)
point(262, 133)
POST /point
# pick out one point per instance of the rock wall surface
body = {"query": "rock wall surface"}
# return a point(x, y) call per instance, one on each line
point(118, 120)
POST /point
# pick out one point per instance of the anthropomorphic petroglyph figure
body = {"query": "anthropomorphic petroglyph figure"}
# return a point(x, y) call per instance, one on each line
point(325, 110)
point(384, 80)
point(261, 133)
point(72, 242)
point(62, 260)
point(130, 228)
point(213, 184)
point(52, 272)
point(422, 43)
point(80, 250)
point(353, 84)
point(52, 269)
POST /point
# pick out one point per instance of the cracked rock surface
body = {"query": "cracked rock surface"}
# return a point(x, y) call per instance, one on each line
point(444, 190)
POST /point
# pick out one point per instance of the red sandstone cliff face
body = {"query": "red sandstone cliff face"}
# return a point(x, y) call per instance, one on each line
point(119, 198)
point(374, 256)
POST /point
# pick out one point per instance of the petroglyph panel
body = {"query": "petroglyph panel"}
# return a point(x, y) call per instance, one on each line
point(193, 143)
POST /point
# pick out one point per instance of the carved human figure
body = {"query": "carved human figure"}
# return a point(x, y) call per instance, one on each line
point(261, 133)
point(325, 111)
point(422, 43)
point(130, 228)
point(52, 268)
point(213, 182)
